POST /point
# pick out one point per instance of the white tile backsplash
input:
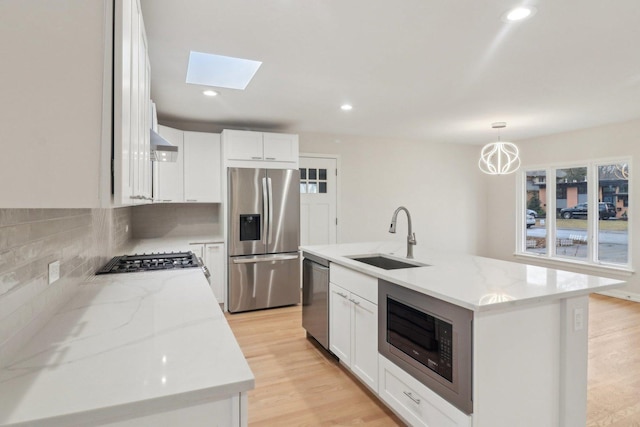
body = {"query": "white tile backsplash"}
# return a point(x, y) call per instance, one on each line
point(81, 239)
point(177, 220)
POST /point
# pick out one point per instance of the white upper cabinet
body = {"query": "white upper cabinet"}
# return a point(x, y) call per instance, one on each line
point(55, 111)
point(281, 147)
point(202, 181)
point(195, 177)
point(243, 145)
point(131, 98)
point(264, 147)
point(169, 176)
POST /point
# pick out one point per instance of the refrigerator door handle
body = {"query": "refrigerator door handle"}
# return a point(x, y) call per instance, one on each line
point(266, 219)
point(267, 258)
point(270, 230)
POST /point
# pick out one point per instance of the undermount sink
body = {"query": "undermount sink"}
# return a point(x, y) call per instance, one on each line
point(386, 262)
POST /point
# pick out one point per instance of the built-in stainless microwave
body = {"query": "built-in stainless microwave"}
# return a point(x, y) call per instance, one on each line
point(430, 339)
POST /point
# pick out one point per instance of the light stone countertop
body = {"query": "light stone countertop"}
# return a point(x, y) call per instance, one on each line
point(133, 343)
point(473, 282)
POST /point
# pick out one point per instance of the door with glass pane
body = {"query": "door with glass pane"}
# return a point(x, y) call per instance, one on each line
point(318, 200)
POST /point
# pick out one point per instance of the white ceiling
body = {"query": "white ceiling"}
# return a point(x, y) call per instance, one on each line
point(435, 70)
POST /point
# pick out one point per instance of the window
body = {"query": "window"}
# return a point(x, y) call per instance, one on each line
point(313, 180)
point(583, 218)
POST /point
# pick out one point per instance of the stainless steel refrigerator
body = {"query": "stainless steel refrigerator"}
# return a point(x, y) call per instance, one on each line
point(264, 236)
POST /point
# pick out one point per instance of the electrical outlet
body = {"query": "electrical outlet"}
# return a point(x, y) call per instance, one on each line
point(54, 271)
point(126, 228)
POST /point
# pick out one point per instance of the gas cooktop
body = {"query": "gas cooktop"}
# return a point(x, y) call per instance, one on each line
point(150, 262)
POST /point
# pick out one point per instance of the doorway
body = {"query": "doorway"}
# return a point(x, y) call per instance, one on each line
point(318, 199)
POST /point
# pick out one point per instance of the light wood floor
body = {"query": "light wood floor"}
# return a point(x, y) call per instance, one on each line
point(298, 385)
point(613, 391)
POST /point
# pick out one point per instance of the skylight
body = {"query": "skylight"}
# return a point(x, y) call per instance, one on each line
point(220, 71)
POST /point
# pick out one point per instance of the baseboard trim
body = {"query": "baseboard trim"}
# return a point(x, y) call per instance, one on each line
point(616, 293)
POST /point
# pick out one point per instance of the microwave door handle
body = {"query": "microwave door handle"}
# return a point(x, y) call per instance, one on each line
point(265, 211)
point(270, 230)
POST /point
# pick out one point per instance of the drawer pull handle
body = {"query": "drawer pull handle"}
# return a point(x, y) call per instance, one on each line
point(341, 294)
point(410, 396)
point(354, 301)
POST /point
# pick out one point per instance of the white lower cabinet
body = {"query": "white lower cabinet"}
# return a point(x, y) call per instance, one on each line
point(364, 342)
point(340, 323)
point(353, 324)
point(214, 260)
point(228, 412)
point(212, 255)
point(414, 401)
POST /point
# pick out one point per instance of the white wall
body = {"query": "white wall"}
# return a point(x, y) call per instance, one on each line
point(440, 184)
point(51, 107)
point(614, 140)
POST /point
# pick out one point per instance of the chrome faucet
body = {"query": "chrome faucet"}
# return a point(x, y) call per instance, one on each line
point(411, 237)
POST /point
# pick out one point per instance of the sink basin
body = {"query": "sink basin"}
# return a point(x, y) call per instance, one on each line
point(386, 262)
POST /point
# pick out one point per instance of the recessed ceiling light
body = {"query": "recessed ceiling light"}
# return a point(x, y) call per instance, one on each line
point(519, 13)
point(346, 107)
point(210, 93)
point(220, 71)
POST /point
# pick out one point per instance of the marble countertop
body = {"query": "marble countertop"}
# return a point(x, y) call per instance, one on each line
point(126, 343)
point(473, 282)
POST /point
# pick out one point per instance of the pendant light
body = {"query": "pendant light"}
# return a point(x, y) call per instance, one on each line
point(499, 158)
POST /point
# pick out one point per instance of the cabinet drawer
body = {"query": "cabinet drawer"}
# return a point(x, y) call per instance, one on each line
point(414, 401)
point(359, 283)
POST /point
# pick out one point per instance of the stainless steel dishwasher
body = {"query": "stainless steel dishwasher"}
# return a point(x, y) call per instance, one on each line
point(315, 298)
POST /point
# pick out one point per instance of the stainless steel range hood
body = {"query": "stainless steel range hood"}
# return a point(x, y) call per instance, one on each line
point(161, 149)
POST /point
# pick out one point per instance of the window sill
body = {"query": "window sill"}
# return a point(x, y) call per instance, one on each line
point(576, 266)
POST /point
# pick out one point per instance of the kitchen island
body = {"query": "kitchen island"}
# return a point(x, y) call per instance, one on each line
point(529, 334)
point(149, 348)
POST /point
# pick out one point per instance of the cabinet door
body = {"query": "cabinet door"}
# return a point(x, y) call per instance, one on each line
point(202, 167)
point(280, 147)
point(136, 143)
point(364, 341)
point(132, 168)
point(243, 145)
point(170, 179)
point(340, 323)
point(214, 260)
point(123, 147)
point(144, 73)
point(197, 249)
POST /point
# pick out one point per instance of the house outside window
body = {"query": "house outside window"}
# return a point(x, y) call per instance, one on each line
point(581, 213)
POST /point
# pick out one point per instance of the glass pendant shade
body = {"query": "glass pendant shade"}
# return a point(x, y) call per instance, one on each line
point(499, 158)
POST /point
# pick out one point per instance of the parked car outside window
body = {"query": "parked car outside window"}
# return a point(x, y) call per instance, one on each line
point(531, 220)
point(605, 211)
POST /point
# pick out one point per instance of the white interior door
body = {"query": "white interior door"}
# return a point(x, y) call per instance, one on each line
point(318, 200)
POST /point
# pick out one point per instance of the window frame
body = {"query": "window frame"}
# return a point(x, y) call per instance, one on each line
point(591, 262)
